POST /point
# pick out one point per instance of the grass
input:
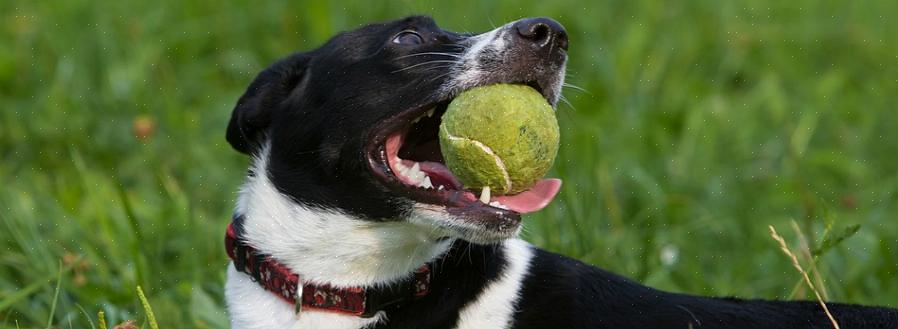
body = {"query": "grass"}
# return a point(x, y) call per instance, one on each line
point(151, 317)
point(807, 278)
point(701, 123)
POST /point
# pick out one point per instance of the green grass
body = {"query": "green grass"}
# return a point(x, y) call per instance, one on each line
point(702, 123)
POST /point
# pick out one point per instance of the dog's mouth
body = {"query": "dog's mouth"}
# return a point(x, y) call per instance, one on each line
point(405, 155)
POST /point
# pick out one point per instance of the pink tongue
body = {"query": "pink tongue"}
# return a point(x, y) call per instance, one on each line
point(534, 199)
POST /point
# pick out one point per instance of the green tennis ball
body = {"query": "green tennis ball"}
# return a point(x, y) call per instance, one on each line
point(502, 136)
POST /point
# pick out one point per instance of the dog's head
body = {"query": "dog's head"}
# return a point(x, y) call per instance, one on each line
point(341, 126)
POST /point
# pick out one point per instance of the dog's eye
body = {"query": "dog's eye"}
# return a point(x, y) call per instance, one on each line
point(408, 38)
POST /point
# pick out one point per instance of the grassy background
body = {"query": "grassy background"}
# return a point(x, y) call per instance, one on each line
point(702, 123)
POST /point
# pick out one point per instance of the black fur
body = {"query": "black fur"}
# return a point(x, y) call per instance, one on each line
point(316, 110)
point(560, 292)
point(583, 296)
point(457, 279)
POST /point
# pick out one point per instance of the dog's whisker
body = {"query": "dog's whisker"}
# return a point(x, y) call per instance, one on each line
point(575, 87)
point(425, 63)
point(432, 68)
point(565, 101)
point(430, 53)
point(439, 76)
point(458, 46)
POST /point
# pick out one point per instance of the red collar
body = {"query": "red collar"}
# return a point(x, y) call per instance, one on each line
point(359, 301)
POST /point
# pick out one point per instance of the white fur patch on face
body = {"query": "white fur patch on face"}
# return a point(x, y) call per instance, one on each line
point(468, 71)
point(471, 70)
point(327, 246)
point(495, 306)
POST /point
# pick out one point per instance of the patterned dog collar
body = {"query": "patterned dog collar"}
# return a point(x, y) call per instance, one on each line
point(359, 301)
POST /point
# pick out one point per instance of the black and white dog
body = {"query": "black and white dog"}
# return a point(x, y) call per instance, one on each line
point(348, 219)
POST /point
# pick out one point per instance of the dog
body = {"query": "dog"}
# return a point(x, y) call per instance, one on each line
point(349, 219)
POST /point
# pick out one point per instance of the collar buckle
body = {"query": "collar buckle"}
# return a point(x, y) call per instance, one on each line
point(298, 299)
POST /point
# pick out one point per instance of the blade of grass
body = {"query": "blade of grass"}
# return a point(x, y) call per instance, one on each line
point(101, 318)
point(785, 248)
point(151, 318)
point(834, 240)
point(828, 244)
point(812, 260)
point(55, 296)
point(86, 316)
point(137, 251)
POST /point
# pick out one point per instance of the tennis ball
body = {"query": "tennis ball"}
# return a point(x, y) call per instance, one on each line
point(502, 136)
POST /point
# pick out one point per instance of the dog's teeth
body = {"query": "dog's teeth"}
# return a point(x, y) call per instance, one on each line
point(399, 166)
point(402, 169)
point(415, 174)
point(429, 113)
point(485, 195)
point(440, 188)
point(498, 205)
point(427, 183)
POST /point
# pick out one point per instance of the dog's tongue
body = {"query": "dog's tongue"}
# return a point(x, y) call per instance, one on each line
point(534, 199)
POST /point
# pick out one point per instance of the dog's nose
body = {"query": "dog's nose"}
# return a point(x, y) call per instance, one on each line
point(542, 31)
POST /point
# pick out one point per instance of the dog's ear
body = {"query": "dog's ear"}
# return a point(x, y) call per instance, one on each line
point(252, 114)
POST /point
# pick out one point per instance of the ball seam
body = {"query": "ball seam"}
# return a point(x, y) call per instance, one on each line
point(489, 151)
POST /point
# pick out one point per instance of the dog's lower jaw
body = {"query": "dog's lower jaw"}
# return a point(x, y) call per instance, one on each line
point(445, 225)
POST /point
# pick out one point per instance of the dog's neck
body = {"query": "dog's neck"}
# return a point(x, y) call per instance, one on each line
point(329, 247)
